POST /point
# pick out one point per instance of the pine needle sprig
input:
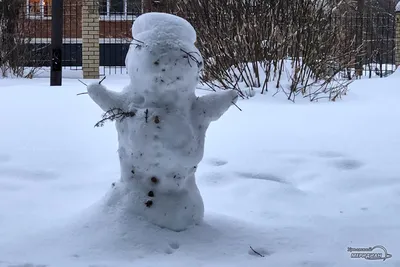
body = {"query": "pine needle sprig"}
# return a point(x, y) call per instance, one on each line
point(114, 114)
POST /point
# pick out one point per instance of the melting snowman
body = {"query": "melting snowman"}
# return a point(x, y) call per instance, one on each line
point(161, 140)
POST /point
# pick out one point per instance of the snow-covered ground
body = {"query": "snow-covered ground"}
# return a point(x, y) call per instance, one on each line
point(299, 183)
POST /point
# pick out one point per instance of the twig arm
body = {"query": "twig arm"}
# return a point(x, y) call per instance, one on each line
point(103, 97)
point(212, 106)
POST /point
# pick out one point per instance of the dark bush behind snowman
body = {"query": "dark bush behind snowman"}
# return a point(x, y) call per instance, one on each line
point(161, 124)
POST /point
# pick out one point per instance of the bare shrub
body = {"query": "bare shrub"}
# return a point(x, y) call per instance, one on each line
point(297, 47)
point(15, 49)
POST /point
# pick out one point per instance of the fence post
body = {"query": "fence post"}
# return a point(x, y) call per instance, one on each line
point(397, 52)
point(90, 39)
point(56, 43)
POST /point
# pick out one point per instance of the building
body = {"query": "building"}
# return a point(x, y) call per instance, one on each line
point(116, 18)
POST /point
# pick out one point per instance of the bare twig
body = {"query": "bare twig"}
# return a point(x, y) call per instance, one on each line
point(258, 253)
point(82, 83)
point(84, 93)
point(190, 56)
point(235, 103)
point(114, 114)
point(139, 43)
point(136, 40)
point(237, 106)
point(102, 79)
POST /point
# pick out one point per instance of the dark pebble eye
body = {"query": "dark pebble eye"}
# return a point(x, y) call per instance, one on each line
point(149, 203)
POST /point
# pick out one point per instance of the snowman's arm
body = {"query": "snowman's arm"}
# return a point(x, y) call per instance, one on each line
point(212, 106)
point(104, 98)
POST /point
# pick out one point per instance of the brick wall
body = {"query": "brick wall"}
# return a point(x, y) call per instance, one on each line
point(397, 38)
point(41, 27)
point(115, 29)
point(90, 40)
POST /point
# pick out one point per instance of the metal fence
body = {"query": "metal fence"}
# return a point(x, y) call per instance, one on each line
point(373, 36)
point(376, 45)
point(115, 33)
point(34, 33)
point(372, 39)
point(35, 18)
point(375, 33)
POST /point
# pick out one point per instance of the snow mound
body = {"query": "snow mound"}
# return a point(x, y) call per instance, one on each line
point(283, 178)
point(101, 235)
point(161, 26)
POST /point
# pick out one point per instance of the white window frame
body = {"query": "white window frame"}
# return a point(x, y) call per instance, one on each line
point(37, 16)
point(124, 16)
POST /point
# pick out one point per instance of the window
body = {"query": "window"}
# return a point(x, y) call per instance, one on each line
point(39, 8)
point(119, 9)
point(134, 7)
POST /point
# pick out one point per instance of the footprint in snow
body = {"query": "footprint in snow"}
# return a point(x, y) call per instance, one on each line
point(299, 157)
point(262, 176)
point(216, 162)
point(174, 245)
point(172, 248)
point(338, 160)
point(347, 164)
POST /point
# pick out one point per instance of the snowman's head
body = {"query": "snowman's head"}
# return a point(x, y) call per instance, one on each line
point(162, 57)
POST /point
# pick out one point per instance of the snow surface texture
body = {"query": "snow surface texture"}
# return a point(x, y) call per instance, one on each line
point(398, 7)
point(298, 182)
point(162, 144)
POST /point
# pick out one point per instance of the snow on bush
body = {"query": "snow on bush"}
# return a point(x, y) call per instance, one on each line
point(15, 52)
point(287, 76)
point(260, 39)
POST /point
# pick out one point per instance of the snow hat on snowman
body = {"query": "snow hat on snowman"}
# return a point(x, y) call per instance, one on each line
point(154, 27)
point(162, 53)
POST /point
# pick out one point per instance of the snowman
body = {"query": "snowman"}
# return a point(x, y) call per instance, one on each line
point(161, 138)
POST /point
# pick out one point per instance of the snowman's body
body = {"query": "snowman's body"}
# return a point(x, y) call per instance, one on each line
point(162, 144)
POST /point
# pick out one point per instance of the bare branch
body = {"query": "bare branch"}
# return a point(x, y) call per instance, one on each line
point(114, 114)
point(258, 253)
